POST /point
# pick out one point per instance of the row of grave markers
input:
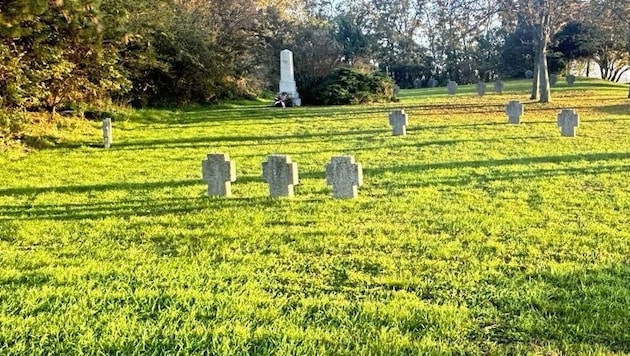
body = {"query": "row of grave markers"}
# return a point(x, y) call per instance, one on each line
point(568, 119)
point(451, 86)
point(342, 173)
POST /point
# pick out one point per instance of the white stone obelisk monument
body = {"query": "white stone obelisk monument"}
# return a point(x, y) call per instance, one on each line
point(287, 80)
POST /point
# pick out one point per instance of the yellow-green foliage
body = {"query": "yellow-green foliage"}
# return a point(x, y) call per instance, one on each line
point(470, 235)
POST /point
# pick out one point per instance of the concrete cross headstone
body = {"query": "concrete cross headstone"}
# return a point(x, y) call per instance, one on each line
point(570, 79)
point(568, 121)
point(529, 74)
point(345, 175)
point(451, 87)
point(398, 120)
point(281, 174)
point(498, 86)
point(514, 111)
point(219, 172)
point(287, 78)
point(107, 132)
point(553, 79)
point(481, 88)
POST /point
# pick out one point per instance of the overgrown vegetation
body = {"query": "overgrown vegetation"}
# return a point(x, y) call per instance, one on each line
point(346, 86)
point(470, 235)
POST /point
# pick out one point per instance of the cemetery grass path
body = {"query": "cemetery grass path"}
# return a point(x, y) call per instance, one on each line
point(469, 235)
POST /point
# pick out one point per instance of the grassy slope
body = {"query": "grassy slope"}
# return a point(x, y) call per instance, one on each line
point(470, 235)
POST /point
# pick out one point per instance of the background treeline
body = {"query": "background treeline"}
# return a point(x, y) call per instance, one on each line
point(58, 54)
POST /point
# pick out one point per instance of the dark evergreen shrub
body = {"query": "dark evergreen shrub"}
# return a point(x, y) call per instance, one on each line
point(349, 86)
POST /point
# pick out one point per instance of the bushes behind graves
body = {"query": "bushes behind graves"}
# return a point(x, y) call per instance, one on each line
point(350, 86)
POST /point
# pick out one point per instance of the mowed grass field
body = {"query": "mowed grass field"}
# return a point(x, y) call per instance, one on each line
point(469, 235)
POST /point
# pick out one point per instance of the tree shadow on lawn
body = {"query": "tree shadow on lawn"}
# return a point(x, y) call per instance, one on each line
point(129, 208)
point(469, 178)
point(587, 306)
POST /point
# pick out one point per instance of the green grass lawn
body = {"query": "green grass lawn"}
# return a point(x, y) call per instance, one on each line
point(469, 235)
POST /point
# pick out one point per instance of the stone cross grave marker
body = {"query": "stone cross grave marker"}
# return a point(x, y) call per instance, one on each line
point(451, 87)
point(287, 78)
point(107, 132)
point(281, 174)
point(553, 79)
point(568, 121)
point(345, 175)
point(498, 86)
point(570, 80)
point(398, 120)
point(514, 111)
point(481, 88)
point(219, 172)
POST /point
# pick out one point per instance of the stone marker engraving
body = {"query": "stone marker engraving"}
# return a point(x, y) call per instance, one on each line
point(287, 79)
point(281, 174)
point(514, 111)
point(553, 79)
point(398, 120)
point(568, 121)
point(107, 132)
point(529, 74)
point(498, 86)
point(451, 87)
point(219, 172)
point(345, 175)
point(570, 80)
point(481, 88)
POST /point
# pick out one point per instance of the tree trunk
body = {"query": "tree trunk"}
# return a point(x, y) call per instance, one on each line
point(543, 71)
point(588, 67)
point(535, 90)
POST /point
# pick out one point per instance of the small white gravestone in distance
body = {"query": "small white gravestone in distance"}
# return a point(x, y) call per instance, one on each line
point(568, 121)
point(398, 120)
point(451, 87)
point(107, 132)
point(514, 111)
point(529, 74)
point(219, 172)
point(498, 86)
point(287, 79)
point(553, 79)
point(481, 88)
point(345, 175)
point(281, 174)
point(570, 80)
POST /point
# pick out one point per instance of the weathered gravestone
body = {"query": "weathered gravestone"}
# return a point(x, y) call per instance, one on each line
point(432, 82)
point(107, 132)
point(514, 111)
point(396, 90)
point(498, 86)
point(287, 78)
point(417, 83)
point(398, 120)
point(553, 79)
point(481, 88)
point(345, 175)
point(281, 174)
point(570, 79)
point(451, 87)
point(529, 74)
point(219, 172)
point(568, 121)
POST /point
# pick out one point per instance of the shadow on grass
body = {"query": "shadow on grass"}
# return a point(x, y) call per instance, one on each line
point(588, 157)
point(129, 208)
